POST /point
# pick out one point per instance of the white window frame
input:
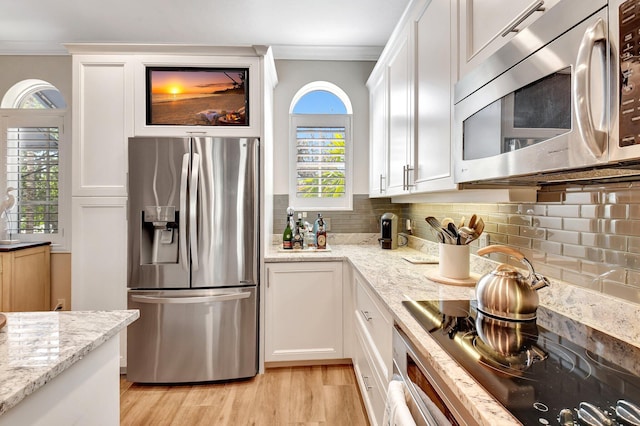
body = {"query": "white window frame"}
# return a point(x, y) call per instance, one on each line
point(11, 118)
point(321, 120)
point(317, 203)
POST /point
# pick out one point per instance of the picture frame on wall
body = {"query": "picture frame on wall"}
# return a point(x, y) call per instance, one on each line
point(197, 96)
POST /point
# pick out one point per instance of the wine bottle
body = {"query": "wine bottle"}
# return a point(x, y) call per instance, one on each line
point(297, 242)
point(287, 236)
point(321, 235)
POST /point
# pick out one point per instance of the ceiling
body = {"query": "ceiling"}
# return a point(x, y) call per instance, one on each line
point(297, 29)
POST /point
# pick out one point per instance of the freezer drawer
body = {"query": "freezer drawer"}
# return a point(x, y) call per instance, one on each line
point(192, 335)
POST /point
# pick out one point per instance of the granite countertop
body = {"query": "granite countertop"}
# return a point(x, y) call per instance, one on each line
point(22, 246)
point(35, 347)
point(394, 279)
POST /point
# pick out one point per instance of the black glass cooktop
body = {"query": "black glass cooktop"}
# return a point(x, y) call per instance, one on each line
point(541, 376)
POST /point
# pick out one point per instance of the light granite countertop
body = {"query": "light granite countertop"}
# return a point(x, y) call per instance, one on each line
point(35, 347)
point(394, 279)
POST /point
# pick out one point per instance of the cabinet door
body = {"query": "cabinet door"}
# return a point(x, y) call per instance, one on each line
point(26, 280)
point(102, 121)
point(400, 115)
point(303, 317)
point(434, 104)
point(484, 26)
point(379, 141)
point(99, 263)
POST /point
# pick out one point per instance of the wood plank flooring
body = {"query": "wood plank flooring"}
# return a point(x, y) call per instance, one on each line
point(313, 395)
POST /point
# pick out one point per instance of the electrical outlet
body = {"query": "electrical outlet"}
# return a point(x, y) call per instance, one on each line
point(327, 224)
point(483, 241)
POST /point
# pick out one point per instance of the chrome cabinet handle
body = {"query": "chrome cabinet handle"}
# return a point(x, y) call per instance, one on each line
point(594, 139)
point(365, 380)
point(405, 178)
point(366, 316)
point(182, 228)
point(190, 300)
point(381, 179)
point(513, 26)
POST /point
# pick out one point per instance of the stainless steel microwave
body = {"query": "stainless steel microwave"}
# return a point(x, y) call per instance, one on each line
point(559, 102)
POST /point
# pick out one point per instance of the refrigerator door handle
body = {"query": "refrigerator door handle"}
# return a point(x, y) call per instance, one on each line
point(189, 300)
point(193, 205)
point(182, 230)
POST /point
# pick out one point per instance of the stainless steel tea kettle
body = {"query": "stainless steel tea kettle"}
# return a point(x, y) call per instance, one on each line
point(505, 292)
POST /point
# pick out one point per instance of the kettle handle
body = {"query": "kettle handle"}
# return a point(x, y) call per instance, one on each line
point(501, 249)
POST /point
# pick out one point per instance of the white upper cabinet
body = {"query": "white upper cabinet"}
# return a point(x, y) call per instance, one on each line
point(417, 66)
point(102, 122)
point(487, 25)
point(400, 112)
point(434, 103)
point(379, 137)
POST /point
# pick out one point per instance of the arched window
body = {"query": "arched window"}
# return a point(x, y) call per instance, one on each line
point(321, 148)
point(32, 123)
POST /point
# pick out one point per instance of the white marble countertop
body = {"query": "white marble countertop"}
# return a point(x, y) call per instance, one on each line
point(35, 347)
point(394, 279)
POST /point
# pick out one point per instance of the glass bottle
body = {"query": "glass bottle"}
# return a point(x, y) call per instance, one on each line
point(287, 236)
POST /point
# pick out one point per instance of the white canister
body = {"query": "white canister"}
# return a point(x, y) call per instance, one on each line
point(454, 261)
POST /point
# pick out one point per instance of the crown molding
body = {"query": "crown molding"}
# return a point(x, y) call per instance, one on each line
point(326, 53)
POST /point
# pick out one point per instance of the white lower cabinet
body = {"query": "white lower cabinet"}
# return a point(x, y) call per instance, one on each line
point(303, 311)
point(373, 356)
point(373, 391)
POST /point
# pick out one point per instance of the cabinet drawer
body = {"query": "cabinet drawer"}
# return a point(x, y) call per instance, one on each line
point(372, 388)
point(376, 322)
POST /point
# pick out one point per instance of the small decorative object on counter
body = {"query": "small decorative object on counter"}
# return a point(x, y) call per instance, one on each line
point(287, 236)
point(321, 235)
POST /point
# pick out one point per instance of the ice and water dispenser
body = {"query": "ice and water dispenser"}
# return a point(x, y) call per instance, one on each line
point(159, 235)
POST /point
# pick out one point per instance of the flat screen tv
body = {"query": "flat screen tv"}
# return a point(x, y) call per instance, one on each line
point(193, 96)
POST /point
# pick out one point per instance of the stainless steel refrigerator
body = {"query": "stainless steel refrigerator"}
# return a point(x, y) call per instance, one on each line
point(193, 259)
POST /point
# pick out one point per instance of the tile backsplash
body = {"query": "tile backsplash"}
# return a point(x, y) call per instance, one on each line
point(590, 238)
point(364, 218)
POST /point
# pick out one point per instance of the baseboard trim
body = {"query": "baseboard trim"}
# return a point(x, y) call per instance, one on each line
point(306, 363)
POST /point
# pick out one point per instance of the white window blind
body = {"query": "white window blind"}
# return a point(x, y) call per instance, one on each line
point(320, 162)
point(32, 168)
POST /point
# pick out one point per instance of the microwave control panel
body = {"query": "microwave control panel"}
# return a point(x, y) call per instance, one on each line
point(629, 24)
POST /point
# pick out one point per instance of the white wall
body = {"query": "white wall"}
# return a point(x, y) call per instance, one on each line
point(54, 69)
point(350, 77)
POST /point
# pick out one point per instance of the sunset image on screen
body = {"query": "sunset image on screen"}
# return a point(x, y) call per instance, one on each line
point(197, 97)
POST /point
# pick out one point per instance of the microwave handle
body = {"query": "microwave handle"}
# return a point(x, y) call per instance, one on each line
point(595, 139)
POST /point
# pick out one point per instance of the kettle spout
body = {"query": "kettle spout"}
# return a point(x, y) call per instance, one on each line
point(538, 281)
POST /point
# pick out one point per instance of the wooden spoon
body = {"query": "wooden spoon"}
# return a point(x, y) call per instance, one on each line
point(472, 221)
point(479, 227)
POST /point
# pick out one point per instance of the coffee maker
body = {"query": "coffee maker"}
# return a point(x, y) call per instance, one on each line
point(389, 231)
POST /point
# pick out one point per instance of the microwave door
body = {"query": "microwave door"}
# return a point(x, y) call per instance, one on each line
point(532, 118)
point(157, 236)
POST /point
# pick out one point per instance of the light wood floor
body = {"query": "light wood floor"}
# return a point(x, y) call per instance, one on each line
point(315, 395)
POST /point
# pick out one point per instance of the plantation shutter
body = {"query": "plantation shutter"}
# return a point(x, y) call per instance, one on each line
point(320, 162)
point(32, 168)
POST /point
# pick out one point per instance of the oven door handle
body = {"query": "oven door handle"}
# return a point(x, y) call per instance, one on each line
point(424, 412)
point(594, 138)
